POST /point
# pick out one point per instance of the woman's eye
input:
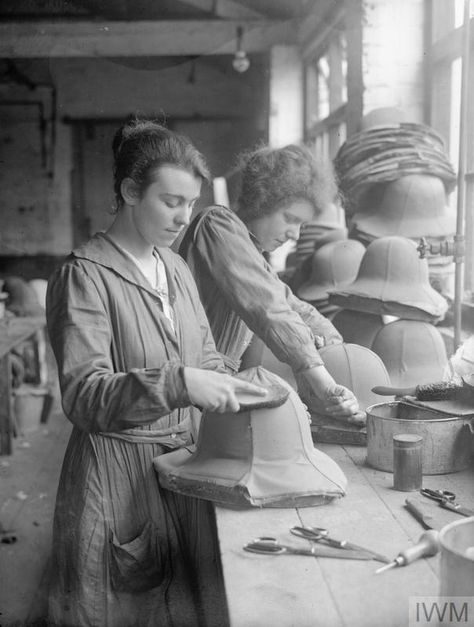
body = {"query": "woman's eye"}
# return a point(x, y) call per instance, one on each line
point(291, 219)
point(172, 203)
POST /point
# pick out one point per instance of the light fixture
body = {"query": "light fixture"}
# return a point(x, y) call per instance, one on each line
point(240, 62)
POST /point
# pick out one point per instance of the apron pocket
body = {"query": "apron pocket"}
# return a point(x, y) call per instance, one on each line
point(138, 565)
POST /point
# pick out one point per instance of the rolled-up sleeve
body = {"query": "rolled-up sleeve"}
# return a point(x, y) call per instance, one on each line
point(253, 290)
point(94, 396)
point(319, 324)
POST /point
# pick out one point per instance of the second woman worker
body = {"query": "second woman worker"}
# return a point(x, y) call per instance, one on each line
point(281, 189)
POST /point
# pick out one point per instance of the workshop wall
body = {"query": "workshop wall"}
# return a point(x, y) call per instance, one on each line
point(222, 111)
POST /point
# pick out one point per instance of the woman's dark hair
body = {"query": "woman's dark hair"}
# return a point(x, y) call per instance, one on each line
point(272, 177)
point(141, 145)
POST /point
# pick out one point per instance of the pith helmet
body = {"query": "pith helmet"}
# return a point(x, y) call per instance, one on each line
point(258, 354)
point(334, 265)
point(412, 206)
point(357, 327)
point(393, 280)
point(357, 368)
point(383, 116)
point(413, 352)
point(262, 456)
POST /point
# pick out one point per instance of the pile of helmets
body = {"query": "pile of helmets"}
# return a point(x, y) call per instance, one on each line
point(395, 178)
point(392, 309)
point(334, 265)
point(326, 259)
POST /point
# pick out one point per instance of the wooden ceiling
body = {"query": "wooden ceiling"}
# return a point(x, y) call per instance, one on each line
point(139, 28)
point(131, 10)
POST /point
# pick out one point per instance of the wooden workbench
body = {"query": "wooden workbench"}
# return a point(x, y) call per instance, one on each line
point(300, 591)
point(13, 331)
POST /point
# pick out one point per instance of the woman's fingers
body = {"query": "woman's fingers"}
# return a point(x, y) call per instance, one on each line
point(245, 386)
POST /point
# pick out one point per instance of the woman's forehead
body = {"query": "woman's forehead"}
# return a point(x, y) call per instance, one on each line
point(174, 179)
point(298, 208)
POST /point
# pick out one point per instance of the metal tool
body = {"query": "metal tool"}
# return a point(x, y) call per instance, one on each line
point(319, 534)
point(270, 546)
point(447, 500)
point(427, 545)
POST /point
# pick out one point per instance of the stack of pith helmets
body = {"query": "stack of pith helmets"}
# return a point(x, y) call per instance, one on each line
point(395, 178)
point(392, 309)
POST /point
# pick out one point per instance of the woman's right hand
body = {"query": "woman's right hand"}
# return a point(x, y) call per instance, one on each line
point(328, 398)
point(217, 391)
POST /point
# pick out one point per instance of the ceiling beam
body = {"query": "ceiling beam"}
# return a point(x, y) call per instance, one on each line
point(141, 38)
point(228, 9)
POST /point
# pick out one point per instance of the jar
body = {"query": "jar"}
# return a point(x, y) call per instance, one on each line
point(407, 466)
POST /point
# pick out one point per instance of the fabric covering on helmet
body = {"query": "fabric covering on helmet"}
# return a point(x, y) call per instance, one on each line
point(412, 206)
point(261, 457)
point(413, 352)
point(393, 280)
point(334, 265)
point(357, 368)
point(357, 327)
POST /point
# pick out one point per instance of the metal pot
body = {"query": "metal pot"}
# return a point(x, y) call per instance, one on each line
point(447, 440)
point(457, 559)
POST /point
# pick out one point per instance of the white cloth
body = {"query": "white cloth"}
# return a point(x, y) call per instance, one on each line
point(156, 277)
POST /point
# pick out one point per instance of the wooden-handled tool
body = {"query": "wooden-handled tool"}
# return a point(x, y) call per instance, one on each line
point(427, 545)
point(443, 390)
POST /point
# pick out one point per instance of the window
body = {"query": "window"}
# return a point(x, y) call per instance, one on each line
point(445, 106)
point(325, 83)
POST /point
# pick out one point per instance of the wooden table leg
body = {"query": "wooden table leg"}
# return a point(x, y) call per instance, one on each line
point(5, 406)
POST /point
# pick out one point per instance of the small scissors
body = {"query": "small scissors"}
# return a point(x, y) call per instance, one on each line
point(447, 500)
point(270, 546)
point(442, 496)
point(319, 534)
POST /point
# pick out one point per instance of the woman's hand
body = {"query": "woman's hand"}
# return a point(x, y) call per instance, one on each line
point(326, 397)
point(217, 391)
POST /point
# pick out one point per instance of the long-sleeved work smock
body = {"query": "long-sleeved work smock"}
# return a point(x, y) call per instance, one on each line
point(243, 295)
point(125, 551)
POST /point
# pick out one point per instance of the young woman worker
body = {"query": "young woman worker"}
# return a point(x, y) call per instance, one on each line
point(134, 351)
point(280, 190)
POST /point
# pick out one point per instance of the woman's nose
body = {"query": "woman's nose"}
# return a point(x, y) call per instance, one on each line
point(293, 232)
point(183, 216)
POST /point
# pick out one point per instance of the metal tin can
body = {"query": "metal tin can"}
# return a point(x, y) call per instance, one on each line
point(407, 462)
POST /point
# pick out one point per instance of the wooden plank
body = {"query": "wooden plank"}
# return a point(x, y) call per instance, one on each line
point(317, 30)
point(355, 78)
point(284, 591)
point(5, 406)
point(362, 598)
point(276, 590)
point(460, 483)
point(225, 9)
point(140, 38)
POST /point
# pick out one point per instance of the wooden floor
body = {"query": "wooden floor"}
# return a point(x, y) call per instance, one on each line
point(28, 482)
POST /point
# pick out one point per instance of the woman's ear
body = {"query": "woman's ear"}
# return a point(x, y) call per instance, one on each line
point(129, 191)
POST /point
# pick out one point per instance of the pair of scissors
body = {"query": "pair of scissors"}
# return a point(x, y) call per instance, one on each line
point(319, 534)
point(447, 500)
point(270, 546)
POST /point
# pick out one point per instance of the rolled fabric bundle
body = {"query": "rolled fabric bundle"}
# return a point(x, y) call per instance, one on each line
point(381, 154)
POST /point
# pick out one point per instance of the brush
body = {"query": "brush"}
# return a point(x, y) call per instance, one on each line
point(440, 391)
